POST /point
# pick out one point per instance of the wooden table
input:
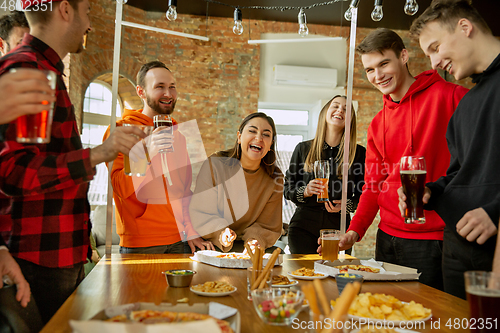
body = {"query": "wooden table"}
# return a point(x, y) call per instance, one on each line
point(129, 278)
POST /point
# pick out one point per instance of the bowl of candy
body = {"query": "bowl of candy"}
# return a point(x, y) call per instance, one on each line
point(277, 306)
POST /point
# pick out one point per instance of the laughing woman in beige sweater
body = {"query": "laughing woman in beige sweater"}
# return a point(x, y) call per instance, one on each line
point(239, 191)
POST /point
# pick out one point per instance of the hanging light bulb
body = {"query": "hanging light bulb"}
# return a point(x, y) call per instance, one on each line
point(172, 12)
point(411, 7)
point(377, 13)
point(303, 29)
point(122, 1)
point(238, 27)
point(348, 13)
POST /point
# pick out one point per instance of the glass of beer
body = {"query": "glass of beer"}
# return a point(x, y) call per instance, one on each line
point(483, 295)
point(330, 239)
point(322, 173)
point(36, 128)
point(413, 172)
point(137, 165)
point(165, 122)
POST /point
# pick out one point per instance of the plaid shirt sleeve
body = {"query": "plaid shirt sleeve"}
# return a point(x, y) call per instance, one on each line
point(29, 169)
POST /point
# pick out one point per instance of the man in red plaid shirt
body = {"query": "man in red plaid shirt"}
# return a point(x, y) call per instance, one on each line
point(48, 182)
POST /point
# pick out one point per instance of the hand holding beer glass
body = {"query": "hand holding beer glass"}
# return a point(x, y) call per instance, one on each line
point(36, 128)
point(322, 173)
point(413, 173)
point(164, 122)
point(330, 239)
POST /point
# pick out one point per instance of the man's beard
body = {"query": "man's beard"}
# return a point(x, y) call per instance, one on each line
point(155, 105)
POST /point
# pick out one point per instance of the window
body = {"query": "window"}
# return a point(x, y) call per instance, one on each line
point(96, 119)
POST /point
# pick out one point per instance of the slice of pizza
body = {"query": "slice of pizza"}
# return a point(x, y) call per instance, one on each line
point(362, 268)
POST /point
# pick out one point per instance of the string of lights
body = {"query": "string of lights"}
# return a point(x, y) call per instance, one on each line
point(410, 8)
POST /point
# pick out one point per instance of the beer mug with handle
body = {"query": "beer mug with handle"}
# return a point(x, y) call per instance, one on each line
point(413, 172)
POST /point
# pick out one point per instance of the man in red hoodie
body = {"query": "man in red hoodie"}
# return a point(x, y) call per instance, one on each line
point(413, 121)
point(152, 212)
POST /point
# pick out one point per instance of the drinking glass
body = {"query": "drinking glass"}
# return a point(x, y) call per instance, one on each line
point(252, 275)
point(137, 166)
point(483, 295)
point(330, 239)
point(164, 121)
point(322, 173)
point(36, 128)
point(413, 172)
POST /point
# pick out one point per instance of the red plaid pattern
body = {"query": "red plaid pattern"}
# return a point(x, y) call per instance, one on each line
point(48, 182)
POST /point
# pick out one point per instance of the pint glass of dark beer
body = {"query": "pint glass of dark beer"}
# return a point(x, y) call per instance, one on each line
point(483, 295)
point(413, 173)
point(164, 121)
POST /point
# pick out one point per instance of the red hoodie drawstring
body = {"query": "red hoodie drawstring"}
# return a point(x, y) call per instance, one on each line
point(411, 127)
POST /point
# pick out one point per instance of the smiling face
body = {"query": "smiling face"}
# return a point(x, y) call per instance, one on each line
point(160, 92)
point(386, 72)
point(335, 116)
point(449, 50)
point(255, 140)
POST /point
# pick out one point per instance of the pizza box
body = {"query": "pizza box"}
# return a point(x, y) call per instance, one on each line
point(388, 272)
point(211, 258)
point(217, 310)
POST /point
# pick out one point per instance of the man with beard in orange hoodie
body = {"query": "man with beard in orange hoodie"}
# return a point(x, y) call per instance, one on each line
point(412, 122)
point(152, 214)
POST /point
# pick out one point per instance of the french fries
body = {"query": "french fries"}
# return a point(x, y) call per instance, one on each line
point(381, 306)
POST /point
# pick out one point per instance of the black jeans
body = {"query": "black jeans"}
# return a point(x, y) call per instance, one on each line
point(179, 247)
point(50, 287)
point(15, 318)
point(459, 256)
point(424, 255)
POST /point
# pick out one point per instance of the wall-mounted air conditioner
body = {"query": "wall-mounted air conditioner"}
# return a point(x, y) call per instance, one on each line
point(305, 76)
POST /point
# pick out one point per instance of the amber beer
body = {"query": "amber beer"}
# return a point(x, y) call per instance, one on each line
point(323, 196)
point(330, 239)
point(36, 128)
point(322, 173)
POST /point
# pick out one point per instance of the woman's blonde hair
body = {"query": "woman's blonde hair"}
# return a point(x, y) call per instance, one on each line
point(316, 151)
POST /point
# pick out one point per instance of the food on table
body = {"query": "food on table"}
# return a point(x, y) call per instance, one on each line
point(214, 287)
point(305, 272)
point(361, 268)
point(183, 300)
point(280, 280)
point(347, 275)
point(233, 256)
point(160, 317)
point(381, 306)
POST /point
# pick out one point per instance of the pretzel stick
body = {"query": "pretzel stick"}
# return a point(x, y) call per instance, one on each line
point(264, 280)
point(260, 254)
point(255, 265)
point(249, 251)
point(342, 306)
point(267, 269)
point(308, 291)
point(322, 298)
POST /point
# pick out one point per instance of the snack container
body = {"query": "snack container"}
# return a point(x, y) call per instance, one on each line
point(213, 258)
point(179, 278)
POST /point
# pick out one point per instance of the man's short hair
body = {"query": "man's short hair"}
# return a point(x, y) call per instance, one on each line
point(141, 75)
point(380, 40)
point(11, 21)
point(43, 16)
point(448, 13)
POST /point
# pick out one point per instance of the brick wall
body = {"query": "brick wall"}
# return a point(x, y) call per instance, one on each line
point(218, 81)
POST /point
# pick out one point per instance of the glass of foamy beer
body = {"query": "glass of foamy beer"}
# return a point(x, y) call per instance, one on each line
point(36, 128)
point(330, 239)
point(165, 122)
point(138, 164)
point(413, 173)
point(322, 173)
point(483, 295)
